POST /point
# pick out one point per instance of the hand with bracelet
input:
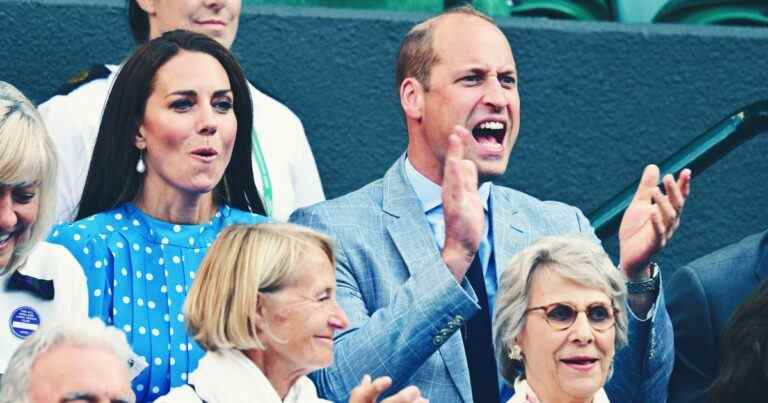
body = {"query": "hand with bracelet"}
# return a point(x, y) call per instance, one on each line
point(648, 224)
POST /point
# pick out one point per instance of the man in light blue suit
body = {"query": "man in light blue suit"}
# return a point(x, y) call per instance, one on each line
point(420, 250)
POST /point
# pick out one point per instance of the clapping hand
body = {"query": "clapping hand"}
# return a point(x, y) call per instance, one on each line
point(369, 390)
point(462, 208)
point(651, 219)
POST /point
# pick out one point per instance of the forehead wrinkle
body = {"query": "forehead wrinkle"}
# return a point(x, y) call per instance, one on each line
point(545, 273)
point(444, 45)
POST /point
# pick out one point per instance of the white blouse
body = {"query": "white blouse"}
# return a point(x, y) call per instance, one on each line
point(228, 376)
point(524, 394)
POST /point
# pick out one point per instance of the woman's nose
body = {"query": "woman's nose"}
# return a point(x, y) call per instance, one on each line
point(206, 121)
point(338, 319)
point(581, 331)
point(8, 218)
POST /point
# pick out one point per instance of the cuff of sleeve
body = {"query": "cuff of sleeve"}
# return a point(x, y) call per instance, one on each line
point(652, 311)
point(649, 316)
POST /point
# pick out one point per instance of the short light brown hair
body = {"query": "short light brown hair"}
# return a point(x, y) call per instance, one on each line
point(244, 261)
point(27, 156)
point(417, 52)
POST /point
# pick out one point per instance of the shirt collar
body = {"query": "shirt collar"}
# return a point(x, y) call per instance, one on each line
point(430, 193)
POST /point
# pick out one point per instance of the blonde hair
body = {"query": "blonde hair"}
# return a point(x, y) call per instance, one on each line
point(27, 156)
point(244, 261)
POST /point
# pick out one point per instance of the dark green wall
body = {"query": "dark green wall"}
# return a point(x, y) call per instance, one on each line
point(600, 100)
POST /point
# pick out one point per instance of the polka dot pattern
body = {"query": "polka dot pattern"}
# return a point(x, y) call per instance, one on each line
point(139, 271)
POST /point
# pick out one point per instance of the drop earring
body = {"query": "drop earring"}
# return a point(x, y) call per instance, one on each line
point(140, 166)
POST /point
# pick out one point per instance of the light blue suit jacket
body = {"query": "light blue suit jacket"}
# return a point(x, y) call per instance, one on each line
point(405, 307)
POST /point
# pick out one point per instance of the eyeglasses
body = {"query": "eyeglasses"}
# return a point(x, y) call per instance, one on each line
point(561, 315)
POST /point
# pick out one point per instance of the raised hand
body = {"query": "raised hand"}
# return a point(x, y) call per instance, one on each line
point(651, 219)
point(462, 208)
point(368, 391)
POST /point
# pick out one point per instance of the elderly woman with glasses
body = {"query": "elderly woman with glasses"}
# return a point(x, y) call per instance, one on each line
point(558, 322)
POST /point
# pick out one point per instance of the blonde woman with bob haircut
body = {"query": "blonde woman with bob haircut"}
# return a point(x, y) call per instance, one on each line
point(263, 306)
point(40, 282)
point(544, 346)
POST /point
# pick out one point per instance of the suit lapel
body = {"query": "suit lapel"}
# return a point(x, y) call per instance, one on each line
point(510, 229)
point(409, 230)
point(413, 238)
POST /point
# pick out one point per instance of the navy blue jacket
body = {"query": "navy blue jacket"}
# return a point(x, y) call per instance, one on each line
point(701, 298)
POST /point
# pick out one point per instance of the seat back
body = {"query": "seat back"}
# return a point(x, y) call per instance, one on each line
point(715, 12)
point(430, 6)
point(564, 9)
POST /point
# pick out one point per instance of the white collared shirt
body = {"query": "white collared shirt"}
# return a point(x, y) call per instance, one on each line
point(228, 376)
point(524, 394)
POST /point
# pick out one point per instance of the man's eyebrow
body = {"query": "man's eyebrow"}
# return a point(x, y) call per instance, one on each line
point(484, 70)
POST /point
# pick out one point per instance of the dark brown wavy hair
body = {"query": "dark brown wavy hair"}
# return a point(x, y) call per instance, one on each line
point(744, 353)
point(112, 177)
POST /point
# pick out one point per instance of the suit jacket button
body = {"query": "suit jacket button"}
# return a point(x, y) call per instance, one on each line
point(438, 340)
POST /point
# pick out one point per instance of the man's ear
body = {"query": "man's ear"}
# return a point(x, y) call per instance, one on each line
point(147, 5)
point(412, 98)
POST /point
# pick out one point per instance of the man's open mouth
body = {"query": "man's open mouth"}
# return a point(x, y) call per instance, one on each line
point(490, 134)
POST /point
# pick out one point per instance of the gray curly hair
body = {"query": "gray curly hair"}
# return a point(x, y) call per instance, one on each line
point(574, 257)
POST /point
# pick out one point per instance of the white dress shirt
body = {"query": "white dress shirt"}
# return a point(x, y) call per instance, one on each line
point(228, 376)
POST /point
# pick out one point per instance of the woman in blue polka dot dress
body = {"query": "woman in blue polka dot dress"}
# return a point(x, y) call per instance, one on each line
point(171, 168)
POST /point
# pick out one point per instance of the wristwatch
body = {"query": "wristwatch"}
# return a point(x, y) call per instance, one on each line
point(649, 285)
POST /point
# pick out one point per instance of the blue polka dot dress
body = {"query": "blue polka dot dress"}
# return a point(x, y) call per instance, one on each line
point(139, 270)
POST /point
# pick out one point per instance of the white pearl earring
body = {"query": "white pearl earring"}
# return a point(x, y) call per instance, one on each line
point(140, 166)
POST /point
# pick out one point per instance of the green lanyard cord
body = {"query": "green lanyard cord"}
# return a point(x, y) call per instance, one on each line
point(258, 156)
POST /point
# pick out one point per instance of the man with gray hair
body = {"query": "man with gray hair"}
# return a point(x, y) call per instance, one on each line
point(72, 362)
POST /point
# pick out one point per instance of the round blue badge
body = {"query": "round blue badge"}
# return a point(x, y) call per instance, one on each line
point(24, 321)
